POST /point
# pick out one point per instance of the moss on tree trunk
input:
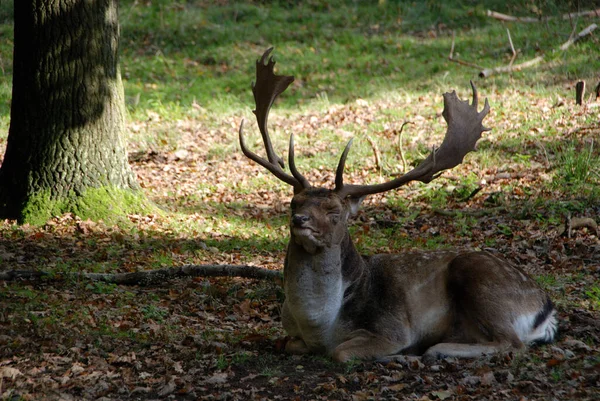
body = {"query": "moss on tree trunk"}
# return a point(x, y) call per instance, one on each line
point(66, 142)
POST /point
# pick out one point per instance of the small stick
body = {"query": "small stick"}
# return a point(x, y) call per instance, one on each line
point(516, 67)
point(512, 47)
point(376, 153)
point(505, 17)
point(400, 149)
point(579, 36)
point(451, 57)
point(579, 92)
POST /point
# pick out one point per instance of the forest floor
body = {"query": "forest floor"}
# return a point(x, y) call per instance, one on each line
point(221, 338)
point(531, 193)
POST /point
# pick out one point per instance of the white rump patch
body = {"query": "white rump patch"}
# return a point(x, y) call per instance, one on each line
point(545, 332)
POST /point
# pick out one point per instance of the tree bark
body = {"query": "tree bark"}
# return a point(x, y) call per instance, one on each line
point(68, 112)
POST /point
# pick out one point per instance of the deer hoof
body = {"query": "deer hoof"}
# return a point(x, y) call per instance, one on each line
point(296, 346)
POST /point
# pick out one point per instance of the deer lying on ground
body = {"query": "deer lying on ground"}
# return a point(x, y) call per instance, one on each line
point(437, 304)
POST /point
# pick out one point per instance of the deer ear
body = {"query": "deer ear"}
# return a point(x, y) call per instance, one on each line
point(354, 203)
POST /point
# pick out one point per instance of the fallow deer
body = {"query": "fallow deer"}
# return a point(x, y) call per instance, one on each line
point(446, 303)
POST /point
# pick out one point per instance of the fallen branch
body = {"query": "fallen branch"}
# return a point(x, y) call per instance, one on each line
point(509, 68)
point(575, 223)
point(517, 67)
point(470, 212)
point(150, 277)
point(510, 18)
point(579, 36)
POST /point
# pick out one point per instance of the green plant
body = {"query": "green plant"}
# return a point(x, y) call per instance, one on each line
point(594, 296)
point(222, 362)
point(546, 280)
point(162, 259)
point(98, 287)
point(504, 230)
point(577, 167)
point(556, 374)
point(155, 313)
point(352, 365)
point(241, 358)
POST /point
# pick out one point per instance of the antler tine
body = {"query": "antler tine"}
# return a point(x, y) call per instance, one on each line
point(475, 102)
point(339, 171)
point(464, 130)
point(274, 168)
point(267, 87)
point(303, 181)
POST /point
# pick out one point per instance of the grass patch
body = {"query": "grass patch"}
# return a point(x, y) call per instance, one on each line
point(107, 204)
point(593, 295)
point(577, 168)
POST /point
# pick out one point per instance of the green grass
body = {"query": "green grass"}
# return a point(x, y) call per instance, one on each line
point(182, 57)
point(593, 295)
point(577, 167)
point(175, 54)
point(194, 61)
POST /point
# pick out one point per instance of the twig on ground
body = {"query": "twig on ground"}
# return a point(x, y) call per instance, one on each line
point(573, 223)
point(512, 48)
point(510, 18)
point(579, 92)
point(578, 37)
point(461, 62)
point(400, 148)
point(517, 67)
point(508, 68)
point(376, 154)
point(470, 212)
point(150, 277)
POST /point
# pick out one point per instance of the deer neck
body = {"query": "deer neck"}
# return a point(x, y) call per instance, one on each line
point(315, 282)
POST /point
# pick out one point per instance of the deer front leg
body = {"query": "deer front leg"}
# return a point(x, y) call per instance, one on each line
point(296, 346)
point(363, 344)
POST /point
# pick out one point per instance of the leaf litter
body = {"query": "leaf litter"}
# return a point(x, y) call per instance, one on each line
point(221, 338)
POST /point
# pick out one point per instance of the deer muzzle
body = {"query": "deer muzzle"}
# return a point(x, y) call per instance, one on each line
point(299, 220)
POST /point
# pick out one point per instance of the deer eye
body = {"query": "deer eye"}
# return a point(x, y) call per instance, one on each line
point(334, 216)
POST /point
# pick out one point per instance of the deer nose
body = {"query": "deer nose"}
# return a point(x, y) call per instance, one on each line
point(299, 219)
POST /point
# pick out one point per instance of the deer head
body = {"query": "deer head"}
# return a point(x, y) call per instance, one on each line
point(316, 212)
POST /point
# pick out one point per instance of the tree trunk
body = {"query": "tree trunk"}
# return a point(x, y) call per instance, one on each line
point(67, 125)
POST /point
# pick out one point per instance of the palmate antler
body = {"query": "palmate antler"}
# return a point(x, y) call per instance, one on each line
point(267, 87)
point(464, 130)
